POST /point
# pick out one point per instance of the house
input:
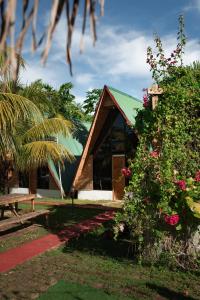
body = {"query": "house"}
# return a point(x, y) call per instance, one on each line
point(110, 144)
point(52, 181)
point(100, 154)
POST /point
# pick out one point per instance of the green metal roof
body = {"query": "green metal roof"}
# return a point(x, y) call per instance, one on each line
point(128, 104)
point(74, 143)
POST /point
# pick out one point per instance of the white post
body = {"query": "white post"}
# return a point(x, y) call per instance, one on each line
point(60, 178)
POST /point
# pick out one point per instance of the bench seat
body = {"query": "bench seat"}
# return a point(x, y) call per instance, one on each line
point(15, 221)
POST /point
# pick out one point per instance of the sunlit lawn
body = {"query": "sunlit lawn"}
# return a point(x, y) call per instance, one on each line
point(95, 261)
point(94, 264)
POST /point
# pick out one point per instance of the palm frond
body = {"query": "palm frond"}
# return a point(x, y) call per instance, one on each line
point(48, 128)
point(15, 107)
point(39, 153)
point(29, 19)
point(35, 93)
point(7, 145)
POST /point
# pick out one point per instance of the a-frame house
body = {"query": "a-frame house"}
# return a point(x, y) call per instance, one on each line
point(110, 143)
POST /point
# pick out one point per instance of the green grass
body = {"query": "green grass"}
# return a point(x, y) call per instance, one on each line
point(114, 204)
point(95, 264)
point(71, 291)
point(59, 218)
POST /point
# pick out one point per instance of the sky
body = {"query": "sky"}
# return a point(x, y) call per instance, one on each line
point(119, 56)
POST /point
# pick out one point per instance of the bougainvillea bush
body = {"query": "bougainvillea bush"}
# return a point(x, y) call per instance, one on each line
point(162, 201)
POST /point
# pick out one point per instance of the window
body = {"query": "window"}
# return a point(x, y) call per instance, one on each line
point(116, 137)
point(43, 178)
point(23, 180)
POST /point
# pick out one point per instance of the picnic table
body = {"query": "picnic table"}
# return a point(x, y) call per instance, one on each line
point(11, 201)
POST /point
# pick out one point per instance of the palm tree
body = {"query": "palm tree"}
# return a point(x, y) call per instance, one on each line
point(26, 135)
point(29, 19)
point(37, 143)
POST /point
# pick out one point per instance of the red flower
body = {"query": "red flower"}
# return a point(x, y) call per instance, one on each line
point(145, 100)
point(181, 184)
point(197, 176)
point(172, 220)
point(154, 154)
point(126, 172)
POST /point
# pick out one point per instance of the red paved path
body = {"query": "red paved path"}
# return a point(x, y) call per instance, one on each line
point(15, 256)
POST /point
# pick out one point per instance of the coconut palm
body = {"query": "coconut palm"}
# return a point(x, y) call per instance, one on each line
point(27, 138)
point(29, 19)
point(37, 143)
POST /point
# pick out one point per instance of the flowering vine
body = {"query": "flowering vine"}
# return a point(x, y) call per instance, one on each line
point(163, 196)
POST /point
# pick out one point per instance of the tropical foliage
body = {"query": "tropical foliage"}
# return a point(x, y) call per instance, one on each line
point(162, 202)
point(92, 97)
point(28, 137)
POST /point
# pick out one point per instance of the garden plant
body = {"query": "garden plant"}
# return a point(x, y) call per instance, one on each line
point(162, 201)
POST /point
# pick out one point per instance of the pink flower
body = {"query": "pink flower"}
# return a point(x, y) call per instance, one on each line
point(145, 100)
point(181, 184)
point(154, 154)
point(126, 172)
point(172, 220)
point(197, 176)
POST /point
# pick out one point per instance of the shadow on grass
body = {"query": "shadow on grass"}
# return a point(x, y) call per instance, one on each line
point(167, 293)
point(101, 242)
point(62, 216)
point(59, 217)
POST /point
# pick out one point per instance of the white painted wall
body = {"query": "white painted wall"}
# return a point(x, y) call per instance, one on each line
point(95, 195)
point(40, 192)
point(19, 190)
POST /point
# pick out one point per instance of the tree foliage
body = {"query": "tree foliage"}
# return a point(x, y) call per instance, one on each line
point(92, 97)
point(162, 202)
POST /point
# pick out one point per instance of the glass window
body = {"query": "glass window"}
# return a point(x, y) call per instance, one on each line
point(23, 180)
point(43, 178)
point(115, 138)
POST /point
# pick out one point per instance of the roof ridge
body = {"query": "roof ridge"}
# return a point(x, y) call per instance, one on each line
point(123, 93)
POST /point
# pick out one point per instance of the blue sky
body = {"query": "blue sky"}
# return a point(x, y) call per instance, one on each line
point(119, 57)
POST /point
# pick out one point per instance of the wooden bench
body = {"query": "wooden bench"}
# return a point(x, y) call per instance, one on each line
point(13, 199)
point(16, 221)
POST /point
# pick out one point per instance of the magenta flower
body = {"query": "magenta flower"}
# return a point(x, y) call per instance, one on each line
point(181, 184)
point(172, 220)
point(154, 154)
point(145, 100)
point(126, 172)
point(197, 176)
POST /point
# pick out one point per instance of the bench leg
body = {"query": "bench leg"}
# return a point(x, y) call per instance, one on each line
point(15, 213)
point(16, 206)
point(2, 212)
point(47, 220)
point(32, 205)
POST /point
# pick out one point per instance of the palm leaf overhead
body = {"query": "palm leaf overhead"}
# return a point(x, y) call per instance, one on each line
point(14, 107)
point(37, 154)
point(29, 18)
point(48, 128)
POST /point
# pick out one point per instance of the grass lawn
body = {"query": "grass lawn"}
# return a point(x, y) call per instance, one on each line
point(92, 265)
point(103, 203)
point(59, 218)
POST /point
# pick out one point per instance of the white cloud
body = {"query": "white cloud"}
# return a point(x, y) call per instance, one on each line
point(193, 5)
point(83, 78)
point(35, 71)
point(119, 56)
